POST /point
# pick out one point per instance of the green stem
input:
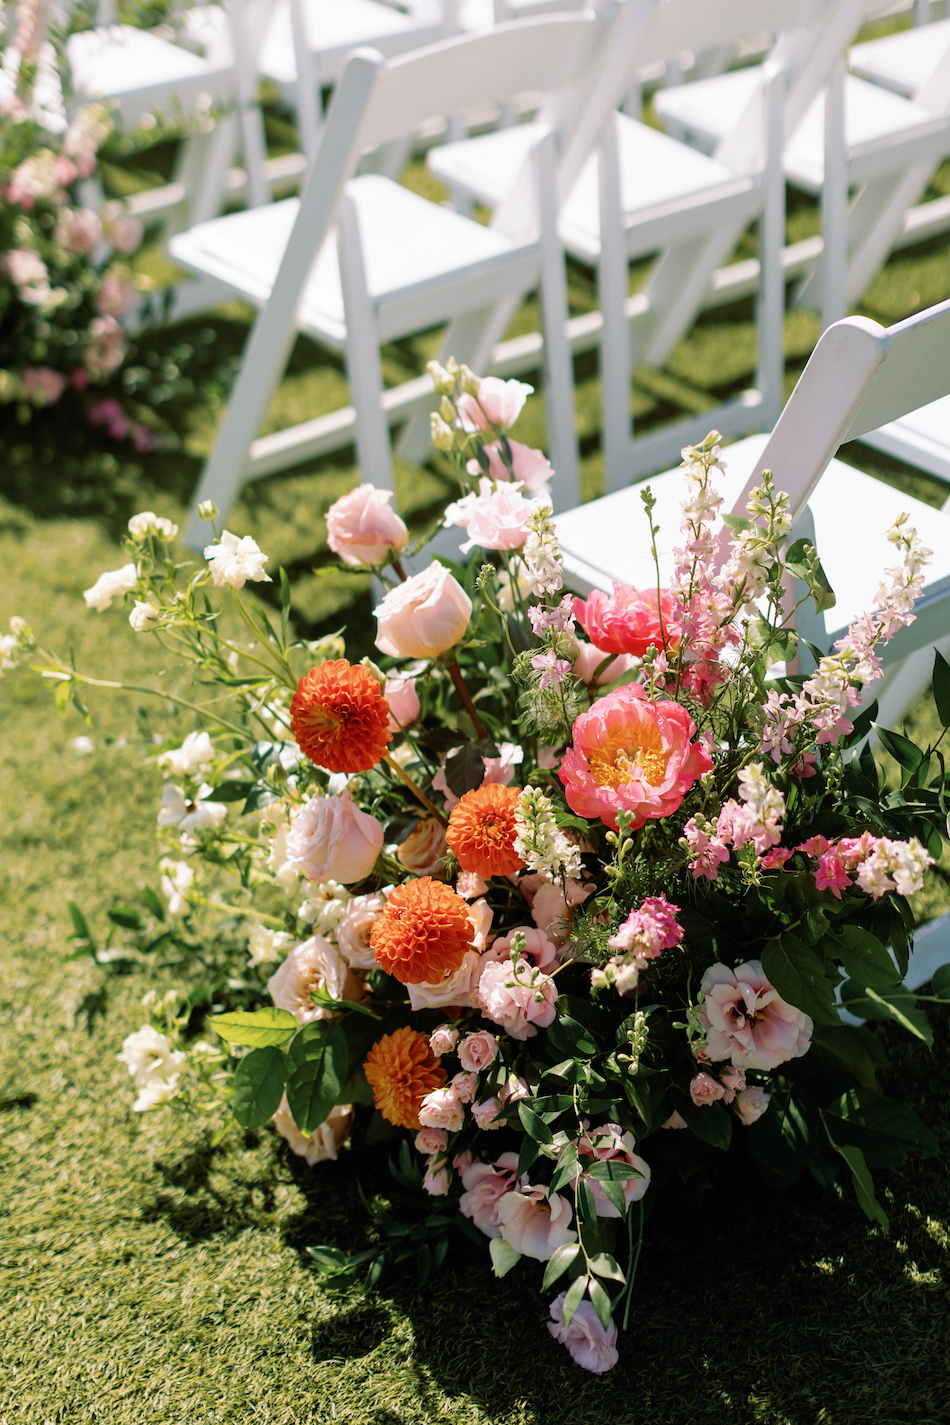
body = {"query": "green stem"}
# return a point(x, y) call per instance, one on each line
point(635, 1262)
point(73, 676)
point(283, 667)
point(243, 910)
point(461, 688)
point(416, 790)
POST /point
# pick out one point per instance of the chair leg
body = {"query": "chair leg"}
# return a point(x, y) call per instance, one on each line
point(558, 361)
point(834, 204)
point(616, 366)
point(362, 354)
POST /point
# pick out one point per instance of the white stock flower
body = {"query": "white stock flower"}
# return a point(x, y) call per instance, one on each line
point(189, 816)
point(268, 947)
point(146, 523)
point(177, 879)
point(233, 561)
point(541, 553)
point(144, 615)
point(111, 585)
point(194, 753)
point(154, 1065)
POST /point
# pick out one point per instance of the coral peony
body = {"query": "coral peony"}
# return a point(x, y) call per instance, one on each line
point(747, 1022)
point(591, 1344)
point(339, 717)
point(425, 616)
point(482, 831)
point(362, 529)
point(423, 933)
point(632, 755)
point(627, 621)
point(401, 1069)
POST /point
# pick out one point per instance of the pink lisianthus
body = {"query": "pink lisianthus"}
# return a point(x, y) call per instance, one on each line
point(477, 1051)
point(628, 620)
point(610, 1144)
point(649, 929)
point(531, 467)
point(632, 755)
point(704, 1090)
point(496, 407)
point(44, 386)
point(519, 999)
point(362, 529)
point(496, 518)
point(550, 911)
point(589, 659)
point(751, 1104)
point(746, 1020)
point(534, 1223)
point(539, 949)
point(485, 1185)
point(590, 1344)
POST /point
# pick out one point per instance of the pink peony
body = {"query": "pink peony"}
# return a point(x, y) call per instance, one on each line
point(404, 706)
point(747, 1022)
point(44, 386)
point(443, 1040)
point(330, 839)
point(362, 529)
point(494, 518)
point(314, 964)
point(610, 1144)
point(534, 1223)
point(704, 1090)
point(431, 1140)
point(531, 467)
point(751, 1104)
point(106, 348)
point(354, 930)
point(518, 1005)
point(538, 948)
point(485, 1185)
point(627, 621)
point(589, 659)
point(632, 755)
point(425, 616)
point(590, 1344)
point(442, 1108)
point(323, 1142)
point(477, 1051)
point(496, 407)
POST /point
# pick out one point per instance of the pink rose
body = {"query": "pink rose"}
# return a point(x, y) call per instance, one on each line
point(362, 529)
point(733, 1081)
point(494, 518)
point(591, 1345)
point(485, 1185)
point(486, 1115)
point(534, 1223)
point(465, 1085)
point(517, 1004)
point(632, 755)
point(106, 348)
point(610, 1144)
point(463, 1161)
point(627, 621)
point(747, 1022)
point(43, 385)
point(497, 405)
point(531, 467)
point(538, 948)
point(443, 1040)
point(704, 1089)
point(424, 850)
point(477, 1051)
point(116, 296)
point(458, 988)
point(437, 1180)
point(78, 229)
point(423, 617)
point(751, 1104)
point(589, 659)
point(354, 930)
point(314, 964)
point(323, 1142)
point(431, 1140)
point(330, 839)
point(404, 706)
point(442, 1108)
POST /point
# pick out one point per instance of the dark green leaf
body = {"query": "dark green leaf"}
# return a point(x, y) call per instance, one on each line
point(799, 976)
point(80, 928)
point(941, 981)
point(613, 1171)
point(712, 1122)
point(125, 916)
point(778, 1141)
point(886, 1117)
point(845, 1046)
point(586, 1205)
point(898, 1004)
point(318, 1060)
point(601, 1303)
point(534, 1125)
point(575, 1295)
point(259, 1028)
point(863, 956)
point(864, 1185)
point(942, 687)
point(604, 1265)
point(901, 748)
point(464, 769)
point(259, 1086)
point(527, 1154)
point(284, 605)
point(230, 792)
point(328, 1259)
point(563, 1258)
point(570, 1037)
point(153, 902)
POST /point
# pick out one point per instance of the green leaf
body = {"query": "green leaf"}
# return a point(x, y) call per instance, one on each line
point(864, 1185)
point(613, 1171)
point(604, 1265)
point(80, 927)
point(942, 687)
point(575, 1295)
point(570, 1037)
point(799, 976)
point(941, 981)
point(905, 752)
point(328, 1259)
point(737, 523)
point(260, 1028)
point(845, 1046)
point(585, 1203)
point(712, 1122)
point(898, 1004)
point(153, 902)
point(886, 1118)
point(125, 916)
point(863, 956)
point(534, 1125)
point(563, 1259)
point(230, 792)
point(464, 769)
point(601, 1303)
point(318, 1062)
point(284, 605)
point(259, 1086)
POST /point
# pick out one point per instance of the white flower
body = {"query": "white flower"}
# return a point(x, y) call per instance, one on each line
point(83, 746)
point(314, 964)
point(284, 871)
point(189, 816)
point(194, 753)
point(541, 553)
point(8, 645)
point(177, 880)
point(540, 843)
point(111, 585)
point(325, 907)
point(144, 615)
point(154, 1065)
point(233, 561)
point(268, 946)
point(146, 523)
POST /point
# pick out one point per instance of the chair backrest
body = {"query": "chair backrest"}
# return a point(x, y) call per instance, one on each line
point(860, 376)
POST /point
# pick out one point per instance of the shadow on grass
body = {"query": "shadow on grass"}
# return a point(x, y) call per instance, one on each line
point(197, 1208)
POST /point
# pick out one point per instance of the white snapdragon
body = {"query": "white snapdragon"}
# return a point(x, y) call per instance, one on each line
point(177, 880)
point(111, 585)
point(194, 753)
point(146, 523)
point(154, 1065)
point(539, 840)
point(233, 561)
point(894, 866)
point(268, 947)
point(190, 816)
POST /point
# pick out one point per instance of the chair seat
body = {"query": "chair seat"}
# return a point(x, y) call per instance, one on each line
point(903, 62)
point(607, 539)
point(411, 247)
point(921, 438)
point(141, 70)
point(487, 167)
point(334, 27)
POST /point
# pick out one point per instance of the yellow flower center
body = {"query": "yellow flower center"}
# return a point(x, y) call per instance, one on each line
point(627, 751)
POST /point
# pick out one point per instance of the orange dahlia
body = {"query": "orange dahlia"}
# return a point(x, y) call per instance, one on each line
point(401, 1070)
point(339, 717)
point(482, 831)
point(423, 933)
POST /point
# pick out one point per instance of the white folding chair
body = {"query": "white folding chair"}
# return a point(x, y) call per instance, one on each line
point(357, 261)
point(903, 62)
point(858, 374)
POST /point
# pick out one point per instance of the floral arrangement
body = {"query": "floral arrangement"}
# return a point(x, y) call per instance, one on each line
point(562, 897)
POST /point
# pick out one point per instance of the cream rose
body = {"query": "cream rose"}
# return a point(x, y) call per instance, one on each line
point(423, 851)
point(353, 931)
point(423, 617)
point(314, 964)
point(332, 840)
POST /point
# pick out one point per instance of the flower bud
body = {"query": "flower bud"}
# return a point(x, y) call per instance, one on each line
point(441, 380)
point(469, 381)
point(207, 510)
point(440, 434)
point(447, 409)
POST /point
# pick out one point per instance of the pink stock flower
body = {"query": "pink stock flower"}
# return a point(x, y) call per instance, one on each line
point(106, 348)
point(632, 755)
point(485, 1185)
point(534, 1223)
point(775, 859)
point(590, 1344)
point(442, 1108)
point(404, 706)
point(496, 518)
point(610, 1144)
point(751, 1104)
point(477, 1051)
point(43, 385)
point(362, 529)
point(628, 620)
point(496, 407)
point(531, 467)
point(519, 999)
point(746, 1020)
point(589, 659)
point(538, 947)
point(649, 929)
point(431, 1140)
point(704, 1090)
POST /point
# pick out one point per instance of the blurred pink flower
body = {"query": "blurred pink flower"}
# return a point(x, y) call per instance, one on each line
point(362, 529)
point(530, 466)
